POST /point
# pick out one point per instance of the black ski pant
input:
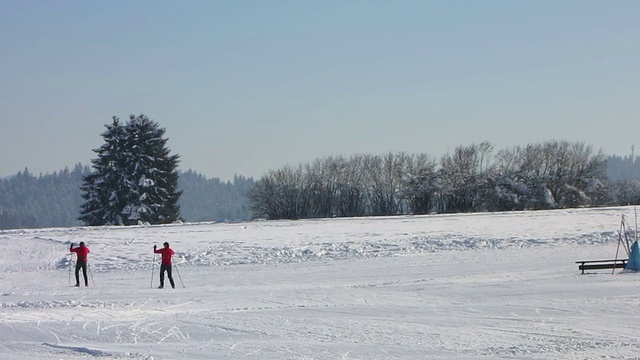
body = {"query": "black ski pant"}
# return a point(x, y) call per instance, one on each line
point(81, 265)
point(166, 268)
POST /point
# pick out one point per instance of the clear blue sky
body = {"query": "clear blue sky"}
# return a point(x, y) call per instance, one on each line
point(247, 86)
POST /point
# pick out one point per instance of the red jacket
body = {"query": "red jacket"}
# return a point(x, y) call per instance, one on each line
point(81, 252)
point(167, 253)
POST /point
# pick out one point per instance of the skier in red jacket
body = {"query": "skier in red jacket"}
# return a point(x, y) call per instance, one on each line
point(167, 253)
point(81, 262)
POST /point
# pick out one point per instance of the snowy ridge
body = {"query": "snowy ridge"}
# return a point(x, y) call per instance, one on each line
point(230, 254)
point(222, 244)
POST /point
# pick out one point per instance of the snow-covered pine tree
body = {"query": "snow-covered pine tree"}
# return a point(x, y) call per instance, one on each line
point(104, 189)
point(151, 174)
point(135, 178)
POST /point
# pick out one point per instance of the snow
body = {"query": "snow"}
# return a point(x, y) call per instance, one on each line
point(463, 286)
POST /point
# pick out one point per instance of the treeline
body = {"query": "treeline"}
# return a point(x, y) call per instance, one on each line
point(28, 201)
point(624, 172)
point(623, 167)
point(206, 199)
point(54, 200)
point(549, 175)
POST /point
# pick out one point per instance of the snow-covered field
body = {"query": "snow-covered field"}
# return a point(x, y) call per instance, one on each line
point(470, 286)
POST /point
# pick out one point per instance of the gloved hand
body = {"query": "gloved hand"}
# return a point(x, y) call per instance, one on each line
point(155, 247)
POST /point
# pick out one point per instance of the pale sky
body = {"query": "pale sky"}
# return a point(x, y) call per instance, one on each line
point(243, 87)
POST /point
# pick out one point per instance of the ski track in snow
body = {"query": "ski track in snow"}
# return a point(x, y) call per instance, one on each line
point(481, 286)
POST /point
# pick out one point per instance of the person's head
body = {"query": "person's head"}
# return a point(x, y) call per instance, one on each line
point(166, 244)
point(81, 243)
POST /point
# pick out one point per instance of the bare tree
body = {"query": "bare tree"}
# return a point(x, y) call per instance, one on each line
point(350, 193)
point(321, 187)
point(383, 176)
point(279, 195)
point(537, 176)
point(627, 192)
point(466, 177)
point(421, 184)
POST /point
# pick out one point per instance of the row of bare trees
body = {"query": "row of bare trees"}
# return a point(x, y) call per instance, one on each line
point(553, 174)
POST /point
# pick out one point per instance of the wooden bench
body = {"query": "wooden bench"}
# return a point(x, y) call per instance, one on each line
point(601, 264)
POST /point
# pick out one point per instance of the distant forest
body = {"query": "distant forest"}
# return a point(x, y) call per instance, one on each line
point(53, 200)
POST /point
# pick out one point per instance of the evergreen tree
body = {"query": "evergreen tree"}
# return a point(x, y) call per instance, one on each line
point(28, 201)
point(205, 199)
point(103, 189)
point(134, 179)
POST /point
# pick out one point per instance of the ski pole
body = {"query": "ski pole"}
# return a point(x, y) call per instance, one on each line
point(70, 263)
point(178, 272)
point(91, 274)
point(635, 232)
point(617, 248)
point(153, 265)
